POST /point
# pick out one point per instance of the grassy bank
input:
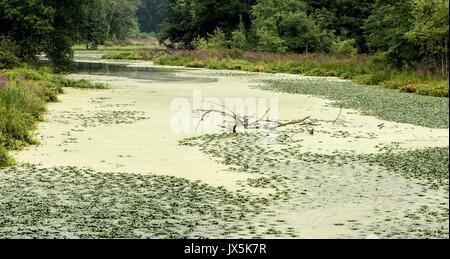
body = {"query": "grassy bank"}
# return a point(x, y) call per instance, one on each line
point(142, 54)
point(24, 93)
point(361, 69)
point(145, 43)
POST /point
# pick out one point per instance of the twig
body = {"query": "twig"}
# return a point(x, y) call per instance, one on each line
point(339, 115)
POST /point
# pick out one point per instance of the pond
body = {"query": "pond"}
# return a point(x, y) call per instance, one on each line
point(136, 72)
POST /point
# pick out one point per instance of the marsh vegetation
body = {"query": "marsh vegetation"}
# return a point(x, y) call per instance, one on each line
point(361, 140)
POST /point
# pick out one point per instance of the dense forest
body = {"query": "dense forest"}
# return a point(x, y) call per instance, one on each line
point(403, 33)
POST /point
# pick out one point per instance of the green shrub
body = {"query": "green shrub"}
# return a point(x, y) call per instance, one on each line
point(398, 82)
point(9, 53)
point(5, 159)
point(316, 72)
point(438, 88)
point(347, 75)
point(233, 65)
point(51, 90)
point(200, 43)
point(215, 41)
point(239, 38)
point(345, 47)
point(149, 54)
point(23, 97)
point(196, 64)
point(371, 79)
point(120, 55)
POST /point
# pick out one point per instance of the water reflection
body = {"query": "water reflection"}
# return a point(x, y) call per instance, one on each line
point(144, 73)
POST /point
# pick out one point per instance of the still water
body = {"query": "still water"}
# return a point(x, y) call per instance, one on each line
point(133, 72)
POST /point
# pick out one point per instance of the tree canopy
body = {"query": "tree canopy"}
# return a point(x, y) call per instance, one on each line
point(401, 32)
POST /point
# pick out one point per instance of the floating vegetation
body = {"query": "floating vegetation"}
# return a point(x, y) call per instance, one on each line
point(104, 117)
point(430, 164)
point(386, 104)
point(107, 117)
point(71, 202)
point(304, 181)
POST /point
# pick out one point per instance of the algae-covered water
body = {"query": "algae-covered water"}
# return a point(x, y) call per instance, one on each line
point(109, 165)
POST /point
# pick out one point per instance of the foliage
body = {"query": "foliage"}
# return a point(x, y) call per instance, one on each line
point(22, 104)
point(285, 25)
point(53, 27)
point(344, 18)
point(215, 41)
point(407, 34)
point(345, 47)
point(239, 37)
point(9, 53)
point(385, 29)
point(151, 14)
point(96, 30)
point(44, 26)
point(28, 23)
point(5, 159)
point(187, 20)
point(122, 19)
point(430, 30)
point(83, 84)
point(361, 69)
point(110, 20)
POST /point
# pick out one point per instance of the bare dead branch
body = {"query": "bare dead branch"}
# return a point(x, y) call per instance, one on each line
point(244, 121)
point(339, 115)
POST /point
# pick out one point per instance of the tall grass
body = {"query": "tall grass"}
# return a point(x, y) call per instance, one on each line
point(5, 159)
point(24, 93)
point(21, 106)
point(144, 54)
point(361, 69)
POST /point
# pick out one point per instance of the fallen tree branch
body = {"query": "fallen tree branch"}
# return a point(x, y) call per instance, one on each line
point(244, 121)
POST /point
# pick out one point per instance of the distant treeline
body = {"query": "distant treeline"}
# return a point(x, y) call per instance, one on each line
point(404, 33)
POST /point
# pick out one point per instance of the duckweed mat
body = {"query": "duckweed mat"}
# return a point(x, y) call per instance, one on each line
point(386, 104)
point(71, 202)
point(358, 194)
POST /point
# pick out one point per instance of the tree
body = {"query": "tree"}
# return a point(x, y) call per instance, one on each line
point(239, 37)
point(430, 30)
point(284, 25)
point(96, 31)
point(28, 23)
point(110, 20)
point(345, 18)
point(385, 31)
point(151, 14)
point(187, 20)
point(122, 19)
point(9, 54)
point(49, 26)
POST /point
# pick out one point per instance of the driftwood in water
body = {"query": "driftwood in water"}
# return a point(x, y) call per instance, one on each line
point(244, 121)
